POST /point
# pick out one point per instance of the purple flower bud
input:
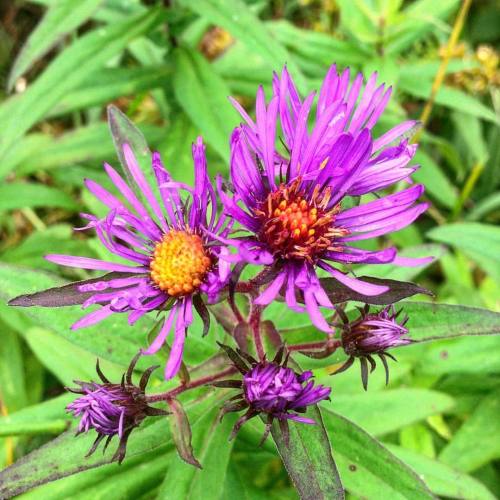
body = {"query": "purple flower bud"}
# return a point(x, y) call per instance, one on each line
point(112, 409)
point(372, 333)
point(272, 388)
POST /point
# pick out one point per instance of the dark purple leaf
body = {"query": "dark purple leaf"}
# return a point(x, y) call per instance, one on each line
point(398, 290)
point(181, 432)
point(65, 295)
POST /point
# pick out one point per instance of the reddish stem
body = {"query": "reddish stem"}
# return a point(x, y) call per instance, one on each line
point(254, 322)
point(163, 396)
point(330, 345)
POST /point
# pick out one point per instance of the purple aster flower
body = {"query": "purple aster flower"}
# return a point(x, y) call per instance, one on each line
point(292, 205)
point(112, 409)
point(372, 333)
point(172, 257)
point(271, 388)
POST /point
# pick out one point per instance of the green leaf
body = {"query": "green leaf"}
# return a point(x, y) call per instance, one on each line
point(319, 47)
point(478, 440)
point(462, 355)
point(60, 19)
point(442, 479)
point(416, 21)
point(88, 144)
point(132, 479)
point(12, 387)
point(77, 363)
point(437, 185)
point(367, 468)
point(450, 98)
point(307, 456)
point(46, 417)
point(481, 242)
point(109, 84)
point(202, 94)
point(15, 195)
point(237, 18)
point(439, 321)
point(67, 71)
point(399, 407)
point(210, 441)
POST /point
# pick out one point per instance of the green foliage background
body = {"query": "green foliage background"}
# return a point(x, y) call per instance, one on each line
point(170, 70)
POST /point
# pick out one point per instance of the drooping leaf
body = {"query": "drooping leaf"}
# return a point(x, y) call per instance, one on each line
point(398, 290)
point(307, 456)
point(64, 295)
point(181, 432)
point(210, 442)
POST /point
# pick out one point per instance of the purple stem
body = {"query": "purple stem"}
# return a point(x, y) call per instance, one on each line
point(164, 396)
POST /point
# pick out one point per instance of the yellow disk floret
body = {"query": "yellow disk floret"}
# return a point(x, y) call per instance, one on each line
point(179, 263)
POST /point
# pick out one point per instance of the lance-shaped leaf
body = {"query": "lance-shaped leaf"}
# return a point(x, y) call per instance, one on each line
point(123, 131)
point(181, 432)
point(440, 321)
point(65, 295)
point(307, 455)
point(398, 290)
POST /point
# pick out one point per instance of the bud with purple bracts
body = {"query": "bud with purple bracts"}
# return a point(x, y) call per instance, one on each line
point(271, 388)
point(112, 409)
point(372, 334)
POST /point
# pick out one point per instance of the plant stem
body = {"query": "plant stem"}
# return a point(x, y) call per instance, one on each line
point(471, 181)
point(254, 322)
point(438, 80)
point(315, 345)
point(163, 396)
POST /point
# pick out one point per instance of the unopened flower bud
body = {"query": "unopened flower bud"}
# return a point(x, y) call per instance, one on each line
point(112, 409)
point(370, 334)
point(272, 388)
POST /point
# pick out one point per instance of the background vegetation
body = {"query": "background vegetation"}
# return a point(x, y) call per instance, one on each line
point(169, 68)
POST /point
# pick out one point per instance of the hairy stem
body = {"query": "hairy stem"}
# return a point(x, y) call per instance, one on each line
point(164, 396)
point(254, 321)
point(330, 345)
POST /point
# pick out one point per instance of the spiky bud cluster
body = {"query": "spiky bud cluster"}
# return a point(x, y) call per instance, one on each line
point(372, 334)
point(270, 388)
point(112, 409)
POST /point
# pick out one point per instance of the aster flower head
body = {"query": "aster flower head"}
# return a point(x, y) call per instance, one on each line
point(372, 333)
point(112, 409)
point(171, 258)
point(271, 388)
point(292, 204)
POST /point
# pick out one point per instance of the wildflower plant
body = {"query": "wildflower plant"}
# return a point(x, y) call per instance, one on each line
point(204, 274)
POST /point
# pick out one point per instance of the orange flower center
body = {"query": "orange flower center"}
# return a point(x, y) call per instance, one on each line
point(180, 263)
point(294, 226)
